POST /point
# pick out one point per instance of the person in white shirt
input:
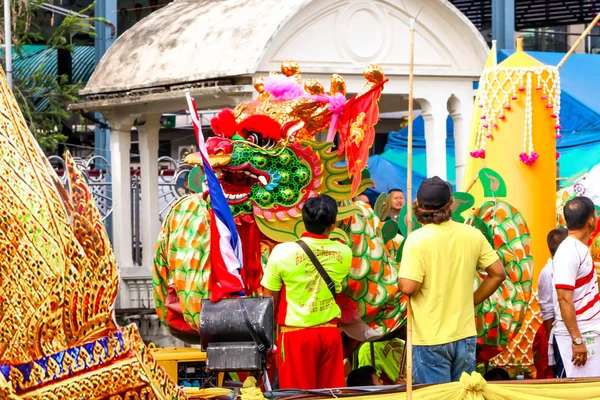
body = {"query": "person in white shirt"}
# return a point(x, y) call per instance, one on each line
point(577, 309)
point(546, 297)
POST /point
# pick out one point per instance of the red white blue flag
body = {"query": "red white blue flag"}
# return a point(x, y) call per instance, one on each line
point(225, 243)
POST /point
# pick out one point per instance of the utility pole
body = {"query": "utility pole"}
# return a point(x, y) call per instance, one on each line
point(106, 34)
point(503, 23)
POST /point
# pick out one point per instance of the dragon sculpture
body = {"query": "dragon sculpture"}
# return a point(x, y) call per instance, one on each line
point(58, 284)
point(269, 163)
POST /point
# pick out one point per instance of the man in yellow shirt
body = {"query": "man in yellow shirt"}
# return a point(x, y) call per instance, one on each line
point(310, 354)
point(438, 266)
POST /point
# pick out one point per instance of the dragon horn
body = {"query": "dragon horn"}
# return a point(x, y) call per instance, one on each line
point(374, 75)
point(291, 68)
point(338, 85)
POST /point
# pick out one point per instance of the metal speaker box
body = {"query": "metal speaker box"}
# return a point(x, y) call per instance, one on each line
point(223, 322)
point(239, 356)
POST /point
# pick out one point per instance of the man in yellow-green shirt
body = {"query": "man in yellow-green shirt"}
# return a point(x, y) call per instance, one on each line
point(388, 357)
point(438, 266)
point(310, 354)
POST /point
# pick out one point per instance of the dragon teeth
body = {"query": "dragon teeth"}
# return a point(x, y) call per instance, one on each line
point(263, 180)
point(234, 196)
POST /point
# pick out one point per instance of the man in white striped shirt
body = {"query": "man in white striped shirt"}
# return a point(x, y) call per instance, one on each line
point(577, 310)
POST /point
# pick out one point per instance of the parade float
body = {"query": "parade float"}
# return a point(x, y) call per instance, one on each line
point(516, 123)
point(59, 278)
point(269, 162)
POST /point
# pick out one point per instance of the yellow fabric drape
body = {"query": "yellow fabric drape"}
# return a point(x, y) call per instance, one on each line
point(474, 387)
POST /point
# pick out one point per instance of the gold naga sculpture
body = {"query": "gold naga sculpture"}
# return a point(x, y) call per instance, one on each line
point(58, 284)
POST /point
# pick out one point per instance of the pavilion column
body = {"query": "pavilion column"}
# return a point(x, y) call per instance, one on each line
point(120, 143)
point(435, 114)
point(148, 143)
point(461, 137)
point(460, 109)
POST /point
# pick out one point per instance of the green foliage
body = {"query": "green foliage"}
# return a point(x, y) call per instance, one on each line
point(41, 96)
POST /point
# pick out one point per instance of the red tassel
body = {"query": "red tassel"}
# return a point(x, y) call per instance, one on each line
point(266, 126)
point(252, 270)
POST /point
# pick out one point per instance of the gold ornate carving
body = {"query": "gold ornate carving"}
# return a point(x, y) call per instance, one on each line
point(357, 128)
point(58, 284)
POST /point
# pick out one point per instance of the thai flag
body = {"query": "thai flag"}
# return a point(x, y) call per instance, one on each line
point(225, 244)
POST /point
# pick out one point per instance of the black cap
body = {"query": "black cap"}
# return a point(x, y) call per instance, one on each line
point(434, 193)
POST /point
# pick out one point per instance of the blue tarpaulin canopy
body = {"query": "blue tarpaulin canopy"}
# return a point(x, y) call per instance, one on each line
point(579, 147)
point(579, 109)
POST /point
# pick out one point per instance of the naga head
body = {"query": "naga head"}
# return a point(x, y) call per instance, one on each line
point(264, 151)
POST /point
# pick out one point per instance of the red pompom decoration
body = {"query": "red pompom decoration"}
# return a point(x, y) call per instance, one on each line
point(224, 123)
point(266, 126)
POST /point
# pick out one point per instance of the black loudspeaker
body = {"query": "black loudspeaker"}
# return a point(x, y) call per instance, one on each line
point(236, 333)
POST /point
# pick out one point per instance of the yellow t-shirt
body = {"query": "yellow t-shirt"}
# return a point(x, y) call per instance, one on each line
point(444, 258)
point(309, 301)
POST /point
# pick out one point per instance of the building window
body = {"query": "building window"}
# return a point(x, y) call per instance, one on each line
point(549, 39)
point(130, 12)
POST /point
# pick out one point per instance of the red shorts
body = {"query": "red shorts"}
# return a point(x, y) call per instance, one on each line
point(310, 358)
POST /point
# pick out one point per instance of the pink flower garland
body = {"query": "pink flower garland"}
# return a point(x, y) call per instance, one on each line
point(478, 153)
point(529, 159)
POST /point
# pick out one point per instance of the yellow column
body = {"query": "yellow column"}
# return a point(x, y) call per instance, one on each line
point(520, 103)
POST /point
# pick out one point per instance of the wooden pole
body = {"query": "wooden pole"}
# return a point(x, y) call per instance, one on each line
point(409, 209)
point(579, 40)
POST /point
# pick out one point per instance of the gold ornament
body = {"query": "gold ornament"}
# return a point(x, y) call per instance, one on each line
point(58, 284)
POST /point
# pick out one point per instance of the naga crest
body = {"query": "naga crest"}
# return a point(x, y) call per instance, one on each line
point(266, 156)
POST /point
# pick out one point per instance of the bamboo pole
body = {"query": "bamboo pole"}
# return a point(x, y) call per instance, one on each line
point(8, 43)
point(472, 183)
point(409, 210)
point(579, 40)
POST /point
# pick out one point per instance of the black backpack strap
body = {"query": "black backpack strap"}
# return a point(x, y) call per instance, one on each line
point(318, 266)
point(259, 344)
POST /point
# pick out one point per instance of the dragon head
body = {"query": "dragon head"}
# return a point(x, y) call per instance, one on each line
point(264, 152)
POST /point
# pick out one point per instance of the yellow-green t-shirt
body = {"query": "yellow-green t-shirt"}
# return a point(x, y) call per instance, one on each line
point(388, 356)
point(444, 258)
point(309, 301)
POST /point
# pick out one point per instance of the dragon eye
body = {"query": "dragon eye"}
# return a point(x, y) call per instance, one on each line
point(256, 138)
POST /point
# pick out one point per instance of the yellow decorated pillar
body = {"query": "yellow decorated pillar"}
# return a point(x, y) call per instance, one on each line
point(514, 133)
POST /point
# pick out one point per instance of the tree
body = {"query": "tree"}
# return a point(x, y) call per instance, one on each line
point(43, 97)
